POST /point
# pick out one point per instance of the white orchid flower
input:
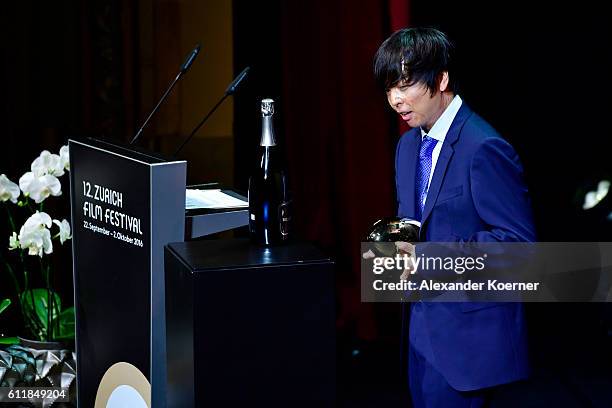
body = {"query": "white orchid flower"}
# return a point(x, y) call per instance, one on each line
point(8, 189)
point(64, 230)
point(47, 163)
point(35, 235)
point(38, 220)
point(27, 181)
point(13, 241)
point(64, 158)
point(39, 187)
point(50, 185)
point(37, 242)
point(602, 189)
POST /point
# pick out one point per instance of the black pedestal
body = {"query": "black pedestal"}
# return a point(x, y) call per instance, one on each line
point(249, 326)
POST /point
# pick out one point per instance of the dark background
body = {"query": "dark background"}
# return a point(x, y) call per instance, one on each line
point(537, 72)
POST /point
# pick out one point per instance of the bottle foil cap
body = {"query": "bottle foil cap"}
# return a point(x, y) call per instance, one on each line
point(267, 107)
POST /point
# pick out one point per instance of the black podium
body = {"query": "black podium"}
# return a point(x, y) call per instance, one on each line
point(249, 326)
point(126, 206)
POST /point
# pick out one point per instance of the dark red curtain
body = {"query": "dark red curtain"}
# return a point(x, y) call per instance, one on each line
point(399, 18)
point(340, 144)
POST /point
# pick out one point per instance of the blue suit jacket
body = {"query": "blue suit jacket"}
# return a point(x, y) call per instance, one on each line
point(477, 193)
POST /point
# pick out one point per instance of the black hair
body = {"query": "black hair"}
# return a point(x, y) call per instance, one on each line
point(415, 55)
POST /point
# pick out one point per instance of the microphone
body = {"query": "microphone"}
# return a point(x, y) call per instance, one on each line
point(190, 58)
point(231, 89)
point(184, 68)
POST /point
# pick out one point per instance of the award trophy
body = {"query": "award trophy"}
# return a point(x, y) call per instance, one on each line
point(392, 229)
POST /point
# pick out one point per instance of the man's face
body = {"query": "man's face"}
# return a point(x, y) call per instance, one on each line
point(415, 103)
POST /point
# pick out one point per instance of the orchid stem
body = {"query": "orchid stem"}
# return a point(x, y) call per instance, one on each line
point(13, 277)
point(10, 218)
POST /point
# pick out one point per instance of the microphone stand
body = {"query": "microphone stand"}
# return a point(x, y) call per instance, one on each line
point(231, 89)
point(184, 67)
point(163, 98)
point(193, 132)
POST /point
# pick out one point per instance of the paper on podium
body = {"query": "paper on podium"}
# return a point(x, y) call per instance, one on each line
point(212, 199)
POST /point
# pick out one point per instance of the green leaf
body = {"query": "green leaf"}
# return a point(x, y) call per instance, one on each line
point(35, 307)
point(66, 325)
point(9, 340)
point(4, 304)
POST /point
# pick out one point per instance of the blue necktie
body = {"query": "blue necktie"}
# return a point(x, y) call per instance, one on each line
point(422, 174)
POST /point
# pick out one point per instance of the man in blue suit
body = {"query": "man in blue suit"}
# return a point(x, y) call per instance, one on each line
point(465, 183)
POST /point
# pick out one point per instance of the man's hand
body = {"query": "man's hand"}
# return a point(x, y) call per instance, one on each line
point(369, 254)
point(406, 248)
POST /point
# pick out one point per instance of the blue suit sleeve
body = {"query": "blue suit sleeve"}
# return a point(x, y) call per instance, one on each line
point(500, 194)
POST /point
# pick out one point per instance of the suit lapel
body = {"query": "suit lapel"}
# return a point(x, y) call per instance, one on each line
point(436, 181)
point(445, 156)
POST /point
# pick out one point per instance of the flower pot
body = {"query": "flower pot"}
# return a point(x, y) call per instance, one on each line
point(42, 345)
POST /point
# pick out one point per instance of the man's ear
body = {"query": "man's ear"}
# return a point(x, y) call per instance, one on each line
point(443, 86)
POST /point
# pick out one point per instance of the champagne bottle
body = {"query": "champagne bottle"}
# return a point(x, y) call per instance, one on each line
point(269, 204)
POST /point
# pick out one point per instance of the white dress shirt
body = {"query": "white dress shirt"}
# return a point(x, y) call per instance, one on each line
point(440, 129)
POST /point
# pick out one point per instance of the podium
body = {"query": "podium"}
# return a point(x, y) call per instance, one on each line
point(249, 325)
point(126, 205)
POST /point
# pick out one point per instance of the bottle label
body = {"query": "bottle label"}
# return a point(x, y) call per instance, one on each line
point(284, 218)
